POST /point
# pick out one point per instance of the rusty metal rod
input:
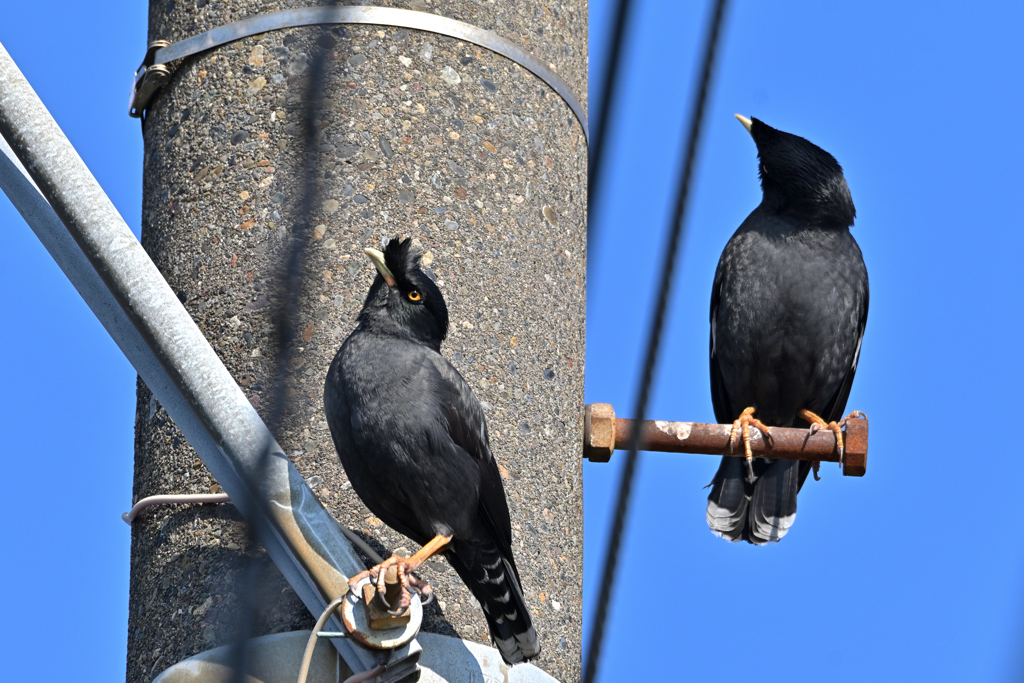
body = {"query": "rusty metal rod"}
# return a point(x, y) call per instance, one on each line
point(604, 434)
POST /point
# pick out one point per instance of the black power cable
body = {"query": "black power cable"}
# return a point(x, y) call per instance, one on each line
point(653, 343)
point(289, 294)
point(609, 91)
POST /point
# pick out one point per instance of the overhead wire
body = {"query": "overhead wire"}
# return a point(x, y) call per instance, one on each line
point(676, 232)
point(609, 91)
point(289, 293)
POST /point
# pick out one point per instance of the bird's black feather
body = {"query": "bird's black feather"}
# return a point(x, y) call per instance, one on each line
point(413, 440)
point(789, 306)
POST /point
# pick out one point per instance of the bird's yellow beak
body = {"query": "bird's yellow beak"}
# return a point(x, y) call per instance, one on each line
point(378, 261)
point(744, 120)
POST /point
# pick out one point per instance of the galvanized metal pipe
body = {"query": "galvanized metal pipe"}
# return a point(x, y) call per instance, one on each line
point(604, 433)
point(79, 226)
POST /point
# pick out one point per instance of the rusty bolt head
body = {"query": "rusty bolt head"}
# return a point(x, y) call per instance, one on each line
point(599, 432)
point(855, 459)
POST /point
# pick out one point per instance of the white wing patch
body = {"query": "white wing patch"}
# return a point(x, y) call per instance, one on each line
point(856, 354)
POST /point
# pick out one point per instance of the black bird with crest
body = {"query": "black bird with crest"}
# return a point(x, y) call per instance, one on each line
point(788, 309)
point(413, 441)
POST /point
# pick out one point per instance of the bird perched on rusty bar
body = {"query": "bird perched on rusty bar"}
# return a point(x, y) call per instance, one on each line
point(788, 309)
point(413, 441)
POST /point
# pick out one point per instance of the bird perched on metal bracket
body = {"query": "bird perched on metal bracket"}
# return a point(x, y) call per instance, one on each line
point(413, 441)
point(788, 309)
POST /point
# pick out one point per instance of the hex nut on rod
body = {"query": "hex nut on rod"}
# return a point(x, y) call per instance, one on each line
point(599, 432)
point(855, 460)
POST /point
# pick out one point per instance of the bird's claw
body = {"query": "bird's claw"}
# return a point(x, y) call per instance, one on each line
point(835, 427)
point(741, 429)
point(855, 415)
point(408, 580)
point(413, 582)
point(425, 590)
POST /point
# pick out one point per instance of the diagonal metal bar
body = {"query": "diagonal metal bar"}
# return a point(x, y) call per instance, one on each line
point(290, 290)
point(79, 226)
point(607, 582)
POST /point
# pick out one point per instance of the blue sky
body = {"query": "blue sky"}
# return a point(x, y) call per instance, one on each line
point(914, 572)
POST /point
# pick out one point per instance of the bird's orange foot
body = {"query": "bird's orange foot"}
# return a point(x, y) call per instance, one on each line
point(834, 427)
point(741, 429)
point(404, 568)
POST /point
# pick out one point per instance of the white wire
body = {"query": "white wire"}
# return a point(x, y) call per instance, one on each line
point(307, 656)
point(130, 516)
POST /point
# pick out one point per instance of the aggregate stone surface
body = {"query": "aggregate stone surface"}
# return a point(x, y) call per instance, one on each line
point(422, 136)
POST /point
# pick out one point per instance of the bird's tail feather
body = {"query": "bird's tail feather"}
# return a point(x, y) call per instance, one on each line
point(728, 500)
point(495, 584)
point(759, 511)
point(773, 506)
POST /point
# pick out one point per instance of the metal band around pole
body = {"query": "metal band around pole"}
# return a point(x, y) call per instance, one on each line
point(381, 16)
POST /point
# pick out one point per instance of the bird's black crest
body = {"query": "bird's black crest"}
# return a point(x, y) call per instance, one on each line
point(401, 257)
point(798, 176)
point(414, 308)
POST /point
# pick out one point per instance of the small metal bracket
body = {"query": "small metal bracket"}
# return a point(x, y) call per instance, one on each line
point(149, 78)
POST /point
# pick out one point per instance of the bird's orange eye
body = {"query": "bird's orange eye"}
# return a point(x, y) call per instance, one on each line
point(415, 296)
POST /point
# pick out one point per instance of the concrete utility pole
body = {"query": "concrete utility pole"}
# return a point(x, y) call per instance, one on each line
point(423, 136)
